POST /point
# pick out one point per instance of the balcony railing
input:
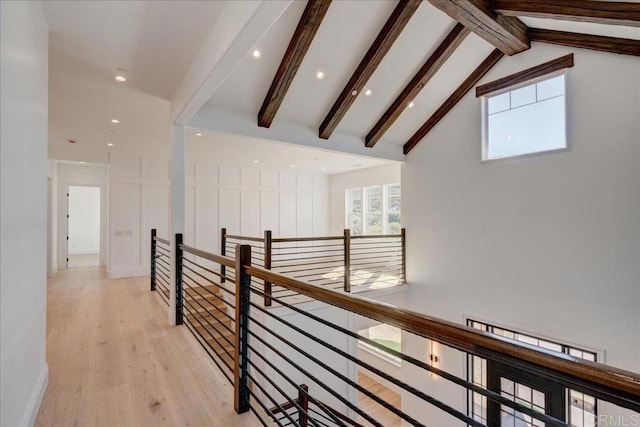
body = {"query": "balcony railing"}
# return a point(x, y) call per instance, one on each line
point(348, 263)
point(297, 364)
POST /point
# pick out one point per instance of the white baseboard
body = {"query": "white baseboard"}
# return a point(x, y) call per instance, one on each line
point(121, 272)
point(35, 401)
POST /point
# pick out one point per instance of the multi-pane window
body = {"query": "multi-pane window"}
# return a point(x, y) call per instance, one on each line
point(582, 408)
point(525, 120)
point(354, 210)
point(373, 210)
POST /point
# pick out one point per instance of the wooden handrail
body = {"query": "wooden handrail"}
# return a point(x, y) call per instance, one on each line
point(222, 260)
point(377, 236)
point(465, 338)
point(250, 239)
point(161, 240)
point(305, 239)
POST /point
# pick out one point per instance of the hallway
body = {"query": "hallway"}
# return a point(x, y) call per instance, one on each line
point(114, 361)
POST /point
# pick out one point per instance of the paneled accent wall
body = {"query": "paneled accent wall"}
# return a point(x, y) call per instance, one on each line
point(246, 201)
point(139, 189)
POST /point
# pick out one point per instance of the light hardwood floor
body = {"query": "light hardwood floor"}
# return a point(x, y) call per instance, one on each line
point(114, 361)
point(380, 413)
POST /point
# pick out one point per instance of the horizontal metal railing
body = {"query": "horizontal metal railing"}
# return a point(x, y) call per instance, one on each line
point(608, 384)
point(301, 364)
point(336, 262)
point(160, 266)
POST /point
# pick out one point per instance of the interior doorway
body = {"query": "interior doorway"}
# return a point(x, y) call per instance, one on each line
point(83, 226)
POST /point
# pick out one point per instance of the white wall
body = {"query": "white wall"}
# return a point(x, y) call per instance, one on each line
point(548, 244)
point(69, 174)
point(84, 220)
point(338, 183)
point(138, 201)
point(23, 208)
point(250, 200)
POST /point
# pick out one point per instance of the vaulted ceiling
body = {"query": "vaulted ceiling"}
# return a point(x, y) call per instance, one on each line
point(391, 70)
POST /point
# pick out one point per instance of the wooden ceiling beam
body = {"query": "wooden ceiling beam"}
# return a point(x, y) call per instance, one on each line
point(381, 45)
point(586, 41)
point(506, 33)
point(600, 12)
point(304, 34)
point(451, 102)
point(419, 81)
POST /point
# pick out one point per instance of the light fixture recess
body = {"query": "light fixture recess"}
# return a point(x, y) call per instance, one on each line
point(368, 92)
point(115, 121)
point(257, 54)
point(320, 75)
point(109, 144)
point(198, 133)
point(411, 104)
point(121, 75)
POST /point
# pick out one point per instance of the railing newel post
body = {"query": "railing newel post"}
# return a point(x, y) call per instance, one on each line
point(153, 259)
point(268, 244)
point(223, 252)
point(403, 239)
point(178, 284)
point(303, 400)
point(347, 260)
point(241, 353)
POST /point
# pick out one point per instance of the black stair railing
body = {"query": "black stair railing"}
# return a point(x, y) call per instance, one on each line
point(292, 365)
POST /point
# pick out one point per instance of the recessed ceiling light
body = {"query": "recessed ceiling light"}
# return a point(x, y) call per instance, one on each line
point(115, 121)
point(320, 75)
point(198, 133)
point(324, 169)
point(255, 162)
point(354, 92)
point(257, 54)
point(82, 163)
point(411, 104)
point(121, 75)
point(109, 144)
point(368, 92)
point(292, 166)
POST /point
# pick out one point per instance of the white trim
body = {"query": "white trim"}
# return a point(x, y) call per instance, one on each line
point(485, 120)
point(33, 407)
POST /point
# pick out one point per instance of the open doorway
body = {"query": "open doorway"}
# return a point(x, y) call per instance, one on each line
point(83, 226)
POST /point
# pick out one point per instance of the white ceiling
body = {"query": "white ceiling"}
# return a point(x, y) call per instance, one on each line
point(347, 31)
point(242, 151)
point(157, 41)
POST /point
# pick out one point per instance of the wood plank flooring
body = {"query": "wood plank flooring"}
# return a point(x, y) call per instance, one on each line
point(380, 413)
point(114, 360)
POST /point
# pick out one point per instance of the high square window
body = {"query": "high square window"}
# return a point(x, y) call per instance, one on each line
point(527, 119)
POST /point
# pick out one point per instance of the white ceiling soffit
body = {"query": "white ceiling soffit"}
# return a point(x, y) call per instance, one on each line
point(247, 152)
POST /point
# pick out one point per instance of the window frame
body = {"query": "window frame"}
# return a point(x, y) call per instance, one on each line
point(384, 194)
point(484, 110)
point(566, 347)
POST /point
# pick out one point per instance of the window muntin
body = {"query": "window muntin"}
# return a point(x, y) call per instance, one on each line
point(525, 120)
point(582, 407)
point(373, 210)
